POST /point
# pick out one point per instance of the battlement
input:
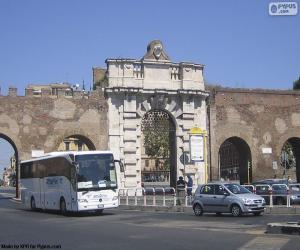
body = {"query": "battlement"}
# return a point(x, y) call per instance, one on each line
point(59, 93)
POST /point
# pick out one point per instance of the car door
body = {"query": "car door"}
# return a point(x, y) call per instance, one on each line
point(207, 197)
point(221, 201)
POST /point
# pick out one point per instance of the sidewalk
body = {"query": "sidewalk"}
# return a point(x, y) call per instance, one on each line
point(189, 209)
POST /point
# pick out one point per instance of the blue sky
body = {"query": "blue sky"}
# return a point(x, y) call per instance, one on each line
point(59, 40)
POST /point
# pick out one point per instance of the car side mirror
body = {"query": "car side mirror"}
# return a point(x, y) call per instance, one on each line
point(226, 193)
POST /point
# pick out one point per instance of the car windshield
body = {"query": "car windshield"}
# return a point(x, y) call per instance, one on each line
point(237, 189)
point(95, 172)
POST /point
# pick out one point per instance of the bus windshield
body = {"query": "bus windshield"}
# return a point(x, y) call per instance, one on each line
point(95, 172)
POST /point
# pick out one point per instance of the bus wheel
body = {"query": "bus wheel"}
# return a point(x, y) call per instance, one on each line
point(32, 204)
point(63, 209)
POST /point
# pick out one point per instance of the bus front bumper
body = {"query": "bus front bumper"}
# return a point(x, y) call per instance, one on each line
point(86, 206)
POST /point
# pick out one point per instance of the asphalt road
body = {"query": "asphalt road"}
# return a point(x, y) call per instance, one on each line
point(120, 229)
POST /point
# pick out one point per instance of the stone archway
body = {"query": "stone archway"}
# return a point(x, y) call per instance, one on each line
point(158, 149)
point(290, 158)
point(77, 143)
point(14, 163)
point(235, 160)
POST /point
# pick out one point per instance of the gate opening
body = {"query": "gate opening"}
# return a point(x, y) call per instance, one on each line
point(158, 149)
point(235, 161)
point(9, 168)
point(76, 143)
point(290, 159)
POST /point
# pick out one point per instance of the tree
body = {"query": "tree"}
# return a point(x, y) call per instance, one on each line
point(296, 85)
point(157, 142)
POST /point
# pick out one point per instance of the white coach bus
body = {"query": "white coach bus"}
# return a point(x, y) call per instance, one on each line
point(70, 181)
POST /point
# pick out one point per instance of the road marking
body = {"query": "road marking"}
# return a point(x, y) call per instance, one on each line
point(266, 243)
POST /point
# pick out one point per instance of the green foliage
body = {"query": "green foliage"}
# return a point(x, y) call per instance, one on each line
point(296, 85)
point(156, 143)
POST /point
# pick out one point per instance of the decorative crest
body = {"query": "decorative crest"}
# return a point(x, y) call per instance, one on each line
point(155, 51)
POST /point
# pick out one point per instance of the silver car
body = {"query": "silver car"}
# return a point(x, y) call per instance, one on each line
point(227, 198)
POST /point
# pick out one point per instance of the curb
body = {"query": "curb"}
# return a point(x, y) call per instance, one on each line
point(183, 209)
point(284, 228)
point(173, 209)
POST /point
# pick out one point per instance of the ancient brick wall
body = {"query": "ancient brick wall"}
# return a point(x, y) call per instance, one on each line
point(262, 118)
point(41, 123)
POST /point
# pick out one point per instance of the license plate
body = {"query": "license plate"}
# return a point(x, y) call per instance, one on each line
point(101, 206)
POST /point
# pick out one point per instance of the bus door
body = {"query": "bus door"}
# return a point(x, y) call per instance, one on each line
point(73, 189)
point(42, 192)
point(42, 186)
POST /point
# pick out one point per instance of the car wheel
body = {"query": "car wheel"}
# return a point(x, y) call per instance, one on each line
point(257, 213)
point(198, 210)
point(32, 204)
point(236, 210)
point(62, 207)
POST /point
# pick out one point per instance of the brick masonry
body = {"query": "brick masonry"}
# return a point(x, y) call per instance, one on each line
point(41, 123)
point(262, 118)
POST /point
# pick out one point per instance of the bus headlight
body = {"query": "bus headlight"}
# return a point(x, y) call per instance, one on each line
point(115, 198)
point(82, 200)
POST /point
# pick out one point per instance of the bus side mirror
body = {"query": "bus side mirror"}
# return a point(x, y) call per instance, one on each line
point(121, 165)
point(76, 165)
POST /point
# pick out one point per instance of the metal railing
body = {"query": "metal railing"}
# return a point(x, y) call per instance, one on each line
point(275, 195)
point(148, 196)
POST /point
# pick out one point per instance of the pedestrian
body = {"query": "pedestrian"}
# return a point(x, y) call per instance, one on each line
point(181, 184)
point(180, 190)
point(189, 185)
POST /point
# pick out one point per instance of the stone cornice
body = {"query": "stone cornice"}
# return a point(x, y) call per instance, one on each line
point(156, 91)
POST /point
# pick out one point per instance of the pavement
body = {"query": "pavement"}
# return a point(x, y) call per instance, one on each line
point(292, 228)
point(269, 210)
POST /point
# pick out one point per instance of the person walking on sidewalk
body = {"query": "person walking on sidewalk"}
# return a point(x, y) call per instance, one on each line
point(189, 185)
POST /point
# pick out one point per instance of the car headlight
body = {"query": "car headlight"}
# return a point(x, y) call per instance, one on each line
point(115, 198)
point(247, 201)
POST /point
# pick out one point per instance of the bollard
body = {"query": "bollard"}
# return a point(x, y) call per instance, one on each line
point(154, 198)
point(145, 197)
point(271, 197)
point(288, 198)
point(135, 197)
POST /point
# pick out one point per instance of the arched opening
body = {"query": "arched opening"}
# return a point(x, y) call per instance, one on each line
point(76, 143)
point(235, 160)
point(290, 159)
point(9, 159)
point(158, 149)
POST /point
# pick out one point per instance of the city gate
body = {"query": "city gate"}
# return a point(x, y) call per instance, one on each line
point(149, 99)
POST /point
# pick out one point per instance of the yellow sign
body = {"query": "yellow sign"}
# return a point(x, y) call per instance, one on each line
point(197, 130)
